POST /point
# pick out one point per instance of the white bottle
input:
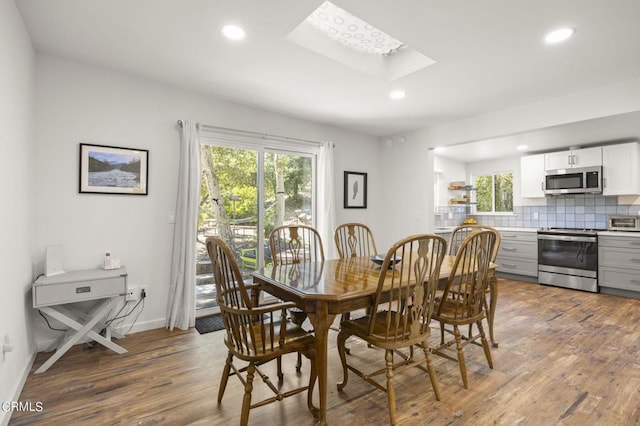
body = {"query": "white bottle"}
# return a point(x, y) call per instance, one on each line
point(107, 260)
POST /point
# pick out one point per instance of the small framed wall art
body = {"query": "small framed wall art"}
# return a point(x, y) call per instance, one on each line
point(113, 170)
point(355, 190)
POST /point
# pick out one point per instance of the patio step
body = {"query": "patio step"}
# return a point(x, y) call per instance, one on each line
point(204, 279)
point(204, 267)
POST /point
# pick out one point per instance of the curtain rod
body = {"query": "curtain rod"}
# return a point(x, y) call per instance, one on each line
point(256, 134)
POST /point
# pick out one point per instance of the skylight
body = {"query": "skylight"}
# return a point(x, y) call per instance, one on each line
point(337, 34)
point(346, 28)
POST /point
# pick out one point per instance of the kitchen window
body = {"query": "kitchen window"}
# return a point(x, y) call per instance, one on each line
point(494, 193)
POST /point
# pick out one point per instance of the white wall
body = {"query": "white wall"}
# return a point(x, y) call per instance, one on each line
point(603, 101)
point(79, 103)
point(449, 171)
point(407, 191)
point(17, 170)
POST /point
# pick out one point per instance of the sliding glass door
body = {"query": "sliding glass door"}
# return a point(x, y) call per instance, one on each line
point(244, 193)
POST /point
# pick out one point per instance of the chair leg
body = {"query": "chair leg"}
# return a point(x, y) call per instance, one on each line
point(342, 338)
point(461, 363)
point(299, 363)
point(432, 371)
point(441, 333)
point(485, 345)
point(280, 375)
point(246, 401)
point(225, 377)
point(391, 392)
point(491, 314)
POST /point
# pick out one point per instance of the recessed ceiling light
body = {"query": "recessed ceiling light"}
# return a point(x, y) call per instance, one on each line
point(559, 35)
point(521, 147)
point(233, 32)
point(397, 94)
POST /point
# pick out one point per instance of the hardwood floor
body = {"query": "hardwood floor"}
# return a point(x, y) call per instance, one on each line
point(565, 357)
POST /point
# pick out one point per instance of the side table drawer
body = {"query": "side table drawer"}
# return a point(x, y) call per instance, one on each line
point(70, 292)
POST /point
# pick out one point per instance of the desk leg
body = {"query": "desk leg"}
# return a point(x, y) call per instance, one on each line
point(85, 316)
point(66, 316)
point(321, 320)
point(82, 331)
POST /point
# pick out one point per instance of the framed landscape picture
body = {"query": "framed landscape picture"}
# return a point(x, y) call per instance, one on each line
point(355, 190)
point(113, 170)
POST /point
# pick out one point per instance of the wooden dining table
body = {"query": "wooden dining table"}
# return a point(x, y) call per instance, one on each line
point(325, 289)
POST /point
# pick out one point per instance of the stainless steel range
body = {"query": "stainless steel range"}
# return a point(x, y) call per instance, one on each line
point(568, 258)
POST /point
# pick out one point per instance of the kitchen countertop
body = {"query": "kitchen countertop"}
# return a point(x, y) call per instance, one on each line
point(444, 230)
point(619, 234)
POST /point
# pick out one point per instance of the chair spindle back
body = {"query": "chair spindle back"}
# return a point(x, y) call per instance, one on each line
point(354, 240)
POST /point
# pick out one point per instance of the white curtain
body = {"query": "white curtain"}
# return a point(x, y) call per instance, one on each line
point(181, 309)
point(326, 199)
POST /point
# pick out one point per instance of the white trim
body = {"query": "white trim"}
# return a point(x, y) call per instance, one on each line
point(6, 416)
point(239, 138)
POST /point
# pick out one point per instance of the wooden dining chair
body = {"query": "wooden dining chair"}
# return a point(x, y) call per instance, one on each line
point(255, 334)
point(292, 244)
point(400, 314)
point(354, 240)
point(458, 235)
point(462, 300)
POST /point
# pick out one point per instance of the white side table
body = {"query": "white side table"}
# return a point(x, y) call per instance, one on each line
point(55, 296)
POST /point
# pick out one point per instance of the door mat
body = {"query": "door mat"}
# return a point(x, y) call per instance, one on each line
point(209, 324)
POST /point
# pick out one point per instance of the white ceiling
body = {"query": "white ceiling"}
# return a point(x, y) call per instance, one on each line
point(490, 54)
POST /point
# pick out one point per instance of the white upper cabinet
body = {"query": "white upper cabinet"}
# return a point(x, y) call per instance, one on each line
point(587, 157)
point(620, 169)
point(532, 176)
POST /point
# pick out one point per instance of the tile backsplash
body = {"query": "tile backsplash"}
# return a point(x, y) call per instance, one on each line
point(589, 211)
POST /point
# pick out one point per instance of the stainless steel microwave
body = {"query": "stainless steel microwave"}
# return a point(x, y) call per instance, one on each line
point(573, 181)
point(624, 223)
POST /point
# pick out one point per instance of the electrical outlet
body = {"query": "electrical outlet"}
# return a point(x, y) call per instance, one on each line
point(132, 294)
point(143, 292)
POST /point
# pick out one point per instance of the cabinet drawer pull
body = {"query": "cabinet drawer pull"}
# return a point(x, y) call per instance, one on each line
point(512, 236)
point(509, 248)
point(509, 265)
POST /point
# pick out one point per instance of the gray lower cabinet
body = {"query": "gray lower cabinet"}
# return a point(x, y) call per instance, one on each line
point(619, 265)
point(518, 253)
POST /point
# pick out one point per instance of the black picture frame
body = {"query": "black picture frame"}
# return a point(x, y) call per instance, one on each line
point(355, 190)
point(108, 169)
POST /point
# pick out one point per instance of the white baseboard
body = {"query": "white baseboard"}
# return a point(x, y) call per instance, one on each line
point(143, 326)
point(5, 416)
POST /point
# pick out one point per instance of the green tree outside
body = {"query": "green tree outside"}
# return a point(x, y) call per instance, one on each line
point(494, 193)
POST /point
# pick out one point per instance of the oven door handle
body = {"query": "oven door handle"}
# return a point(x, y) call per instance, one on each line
point(567, 238)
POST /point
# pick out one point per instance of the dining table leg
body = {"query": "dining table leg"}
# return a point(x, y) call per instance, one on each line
point(321, 320)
